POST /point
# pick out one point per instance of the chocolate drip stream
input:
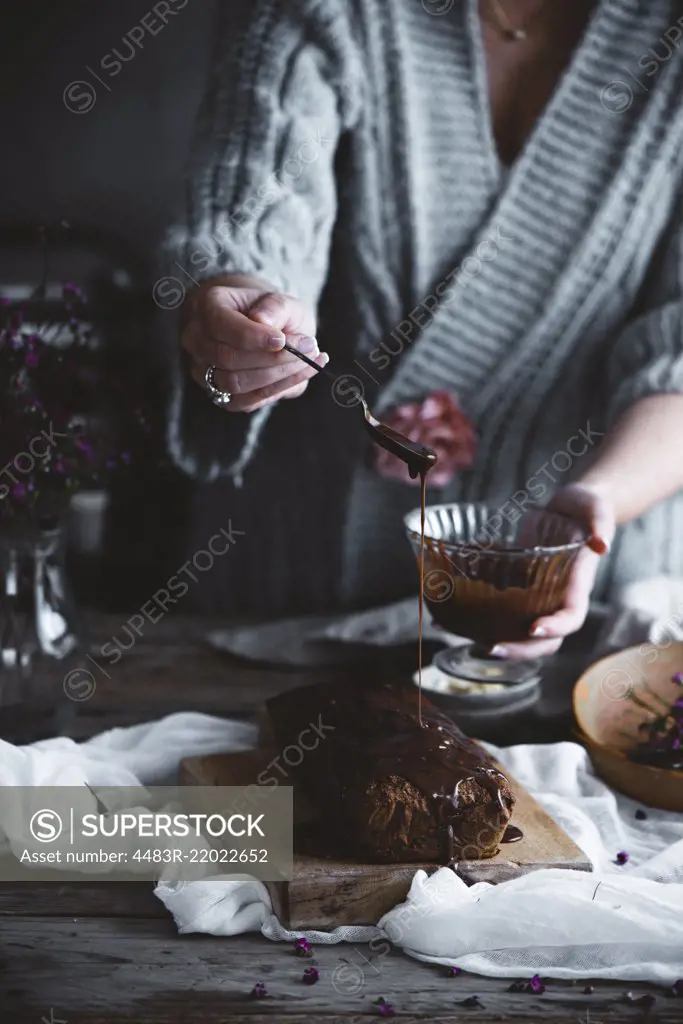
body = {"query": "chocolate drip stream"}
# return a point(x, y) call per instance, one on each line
point(402, 751)
point(419, 461)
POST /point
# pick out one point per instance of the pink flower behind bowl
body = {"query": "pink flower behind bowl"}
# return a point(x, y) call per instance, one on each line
point(439, 423)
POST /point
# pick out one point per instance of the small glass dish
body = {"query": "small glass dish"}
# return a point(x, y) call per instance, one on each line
point(488, 577)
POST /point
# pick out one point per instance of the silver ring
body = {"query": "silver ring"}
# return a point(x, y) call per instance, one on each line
point(217, 396)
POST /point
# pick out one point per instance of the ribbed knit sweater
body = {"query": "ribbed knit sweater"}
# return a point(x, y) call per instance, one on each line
point(344, 152)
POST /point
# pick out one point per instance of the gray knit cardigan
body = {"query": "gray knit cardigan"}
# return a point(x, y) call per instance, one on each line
point(344, 152)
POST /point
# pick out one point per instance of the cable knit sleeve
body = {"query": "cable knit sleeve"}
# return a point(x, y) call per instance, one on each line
point(261, 188)
point(647, 358)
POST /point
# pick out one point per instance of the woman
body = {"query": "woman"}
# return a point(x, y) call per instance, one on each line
point(479, 198)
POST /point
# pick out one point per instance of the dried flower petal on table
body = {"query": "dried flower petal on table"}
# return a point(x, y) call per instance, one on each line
point(259, 991)
point(310, 976)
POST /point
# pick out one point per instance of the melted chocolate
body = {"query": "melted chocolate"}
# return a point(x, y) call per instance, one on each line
point(373, 733)
point(428, 750)
point(423, 498)
point(418, 458)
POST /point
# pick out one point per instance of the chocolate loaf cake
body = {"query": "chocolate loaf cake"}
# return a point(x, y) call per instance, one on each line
point(387, 786)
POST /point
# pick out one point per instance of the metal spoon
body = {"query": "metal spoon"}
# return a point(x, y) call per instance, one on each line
point(417, 457)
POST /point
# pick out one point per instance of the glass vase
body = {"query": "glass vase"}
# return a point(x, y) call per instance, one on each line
point(40, 635)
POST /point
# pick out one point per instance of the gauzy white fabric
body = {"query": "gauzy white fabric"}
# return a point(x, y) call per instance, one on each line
point(618, 922)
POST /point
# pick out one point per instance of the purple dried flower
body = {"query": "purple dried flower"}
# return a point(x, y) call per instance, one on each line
point(384, 1008)
point(31, 358)
point(621, 858)
point(641, 815)
point(453, 972)
point(259, 991)
point(589, 990)
point(536, 985)
point(85, 446)
point(302, 947)
point(678, 678)
point(19, 490)
point(473, 1001)
point(310, 976)
point(677, 988)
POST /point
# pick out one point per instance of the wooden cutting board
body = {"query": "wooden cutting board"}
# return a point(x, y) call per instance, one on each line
point(327, 893)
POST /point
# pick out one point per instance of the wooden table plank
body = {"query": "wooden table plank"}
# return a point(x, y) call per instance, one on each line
point(80, 899)
point(98, 969)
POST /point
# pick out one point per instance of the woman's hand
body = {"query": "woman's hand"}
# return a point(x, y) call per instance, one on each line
point(594, 509)
point(239, 325)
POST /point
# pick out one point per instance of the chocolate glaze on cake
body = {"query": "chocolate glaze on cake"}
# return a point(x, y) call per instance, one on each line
point(391, 787)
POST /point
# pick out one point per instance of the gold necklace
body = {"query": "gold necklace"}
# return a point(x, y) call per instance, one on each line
point(507, 29)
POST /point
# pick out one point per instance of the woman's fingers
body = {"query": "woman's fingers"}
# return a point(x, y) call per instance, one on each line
point(250, 389)
point(219, 322)
point(284, 313)
point(592, 509)
point(222, 355)
point(548, 632)
point(241, 332)
point(571, 617)
point(243, 382)
point(526, 649)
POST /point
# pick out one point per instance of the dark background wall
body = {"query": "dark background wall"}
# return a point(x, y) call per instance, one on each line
point(113, 163)
point(119, 164)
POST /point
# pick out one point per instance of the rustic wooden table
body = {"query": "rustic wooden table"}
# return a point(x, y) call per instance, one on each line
point(106, 953)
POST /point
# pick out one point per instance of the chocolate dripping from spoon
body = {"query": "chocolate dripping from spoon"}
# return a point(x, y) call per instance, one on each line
point(419, 460)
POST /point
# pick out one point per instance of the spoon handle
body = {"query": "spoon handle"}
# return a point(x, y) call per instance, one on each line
point(305, 359)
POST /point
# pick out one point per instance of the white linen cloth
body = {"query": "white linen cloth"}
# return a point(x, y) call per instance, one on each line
point(630, 926)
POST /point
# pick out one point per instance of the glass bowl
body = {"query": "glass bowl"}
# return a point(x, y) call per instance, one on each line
point(488, 578)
